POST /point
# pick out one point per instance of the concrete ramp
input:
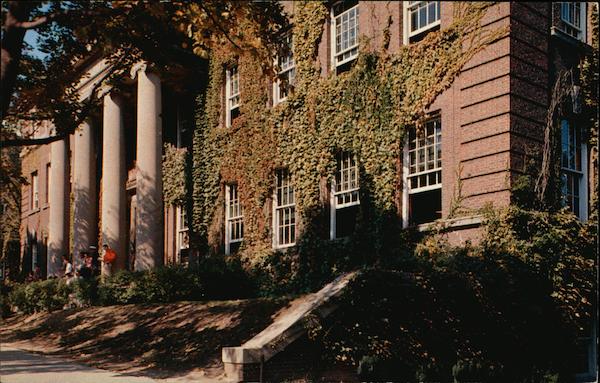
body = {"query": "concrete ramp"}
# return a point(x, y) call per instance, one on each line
point(244, 362)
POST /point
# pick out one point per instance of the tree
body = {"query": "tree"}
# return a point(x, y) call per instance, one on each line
point(122, 32)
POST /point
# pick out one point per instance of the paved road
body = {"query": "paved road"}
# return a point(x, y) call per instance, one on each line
point(17, 366)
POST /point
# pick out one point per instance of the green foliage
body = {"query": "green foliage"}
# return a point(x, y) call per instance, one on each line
point(364, 111)
point(174, 175)
point(161, 285)
point(48, 295)
point(509, 309)
point(224, 278)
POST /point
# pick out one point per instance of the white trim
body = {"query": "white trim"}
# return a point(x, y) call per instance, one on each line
point(407, 34)
point(229, 96)
point(275, 210)
point(292, 67)
point(180, 230)
point(35, 190)
point(425, 189)
point(582, 174)
point(228, 240)
point(333, 36)
point(334, 206)
point(582, 29)
point(405, 189)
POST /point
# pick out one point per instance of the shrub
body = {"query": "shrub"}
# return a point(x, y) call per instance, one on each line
point(225, 278)
point(164, 284)
point(48, 295)
point(509, 309)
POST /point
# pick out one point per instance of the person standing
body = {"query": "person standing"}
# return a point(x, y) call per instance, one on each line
point(67, 267)
point(108, 258)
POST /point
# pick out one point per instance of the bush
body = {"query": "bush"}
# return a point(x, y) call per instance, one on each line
point(225, 278)
point(162, 285)
point(48, 295)
point(5, 290)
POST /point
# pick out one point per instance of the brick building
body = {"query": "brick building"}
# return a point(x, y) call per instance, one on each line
point(105, 182)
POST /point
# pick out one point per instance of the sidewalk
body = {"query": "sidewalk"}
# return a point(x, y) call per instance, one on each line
point(18, 366)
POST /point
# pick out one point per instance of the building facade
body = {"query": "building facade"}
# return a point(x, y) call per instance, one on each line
point(104, 184)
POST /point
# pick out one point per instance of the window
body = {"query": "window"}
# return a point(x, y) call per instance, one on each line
point(345, 196)
point(35, 198)
point(234, 219)
point(420, 16)
point(345, 33)
point(287, 71)
point(572, 19)
point(183, 238)
point(232, 91)
point(47, 195)
point(587, 367)
point(284, 211)
point(34, 251)
point(574, 188)
point(425, 172)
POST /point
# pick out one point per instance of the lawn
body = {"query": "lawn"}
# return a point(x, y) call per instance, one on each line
point(162, 340)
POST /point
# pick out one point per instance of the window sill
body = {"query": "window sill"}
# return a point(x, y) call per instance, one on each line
point(567, 38)
point(449, 224)
point(33, 211)
point(284, 248)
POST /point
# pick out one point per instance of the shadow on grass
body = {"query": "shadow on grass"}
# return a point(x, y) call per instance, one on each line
point(166, 340)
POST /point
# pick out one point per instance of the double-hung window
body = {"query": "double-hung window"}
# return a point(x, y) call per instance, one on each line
point(345, 196)
point(345, 33)
point(47, 194)
point(572, 19)
point(234, 219)
point(425, 172)
point(287, 71)
point(35, 195)
point(284, 211)
point(420, 16)
point(573, 159)
point(183, 238)
point(232, 94)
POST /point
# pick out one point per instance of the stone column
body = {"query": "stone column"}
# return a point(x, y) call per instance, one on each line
point(84, 190)
point(58, 195)
point(113, 181)
point(149, 221)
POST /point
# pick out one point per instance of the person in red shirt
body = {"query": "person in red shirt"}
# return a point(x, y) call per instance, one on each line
point(109, 257)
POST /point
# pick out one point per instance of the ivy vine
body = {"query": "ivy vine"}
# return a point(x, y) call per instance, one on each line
point(365, 110)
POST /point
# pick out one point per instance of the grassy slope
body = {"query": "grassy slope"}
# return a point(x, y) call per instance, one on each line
point(163, 340)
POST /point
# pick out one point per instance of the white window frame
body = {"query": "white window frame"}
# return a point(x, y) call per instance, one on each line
point(35, 190)
point(34, 251)
point(581, 174)
point(48, 172)
point(286, 69)
point(407, 190)
point(407, 7)
point(346, 187)
point(232, 96)
point(233, 217)
point(283, 184)
point(581, 30)
point(333, 32)
point(182, 229)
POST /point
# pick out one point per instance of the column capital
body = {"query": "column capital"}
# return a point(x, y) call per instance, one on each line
point(143, 66)
point(139, 66)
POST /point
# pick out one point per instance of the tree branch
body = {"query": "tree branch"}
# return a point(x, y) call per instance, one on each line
point(37, 22)
point(215, 22)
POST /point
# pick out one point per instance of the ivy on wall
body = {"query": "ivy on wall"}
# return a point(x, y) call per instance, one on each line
point(174, 175)
point(365, 111)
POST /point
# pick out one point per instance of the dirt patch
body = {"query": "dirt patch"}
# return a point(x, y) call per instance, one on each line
point(165, 340)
